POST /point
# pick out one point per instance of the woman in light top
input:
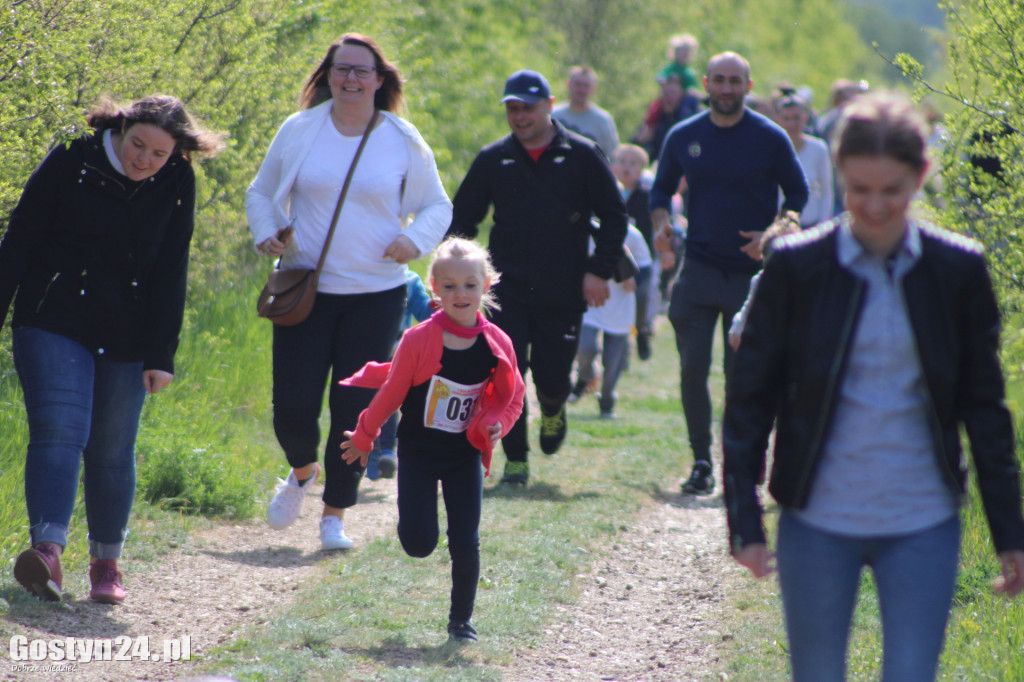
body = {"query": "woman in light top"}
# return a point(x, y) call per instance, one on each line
point(361, 295)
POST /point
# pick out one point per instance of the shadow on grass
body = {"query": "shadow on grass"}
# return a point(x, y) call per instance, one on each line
point(72, 617)
point(677, 499)
point(394, 652)
point(271, 557)
point(543, 492)
point(366, 497)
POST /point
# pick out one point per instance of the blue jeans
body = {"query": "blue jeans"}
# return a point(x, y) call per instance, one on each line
point(819, 573)
point(613, 361)
point(81, 408)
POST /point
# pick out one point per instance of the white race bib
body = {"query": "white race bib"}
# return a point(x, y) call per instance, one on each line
point(450, 404)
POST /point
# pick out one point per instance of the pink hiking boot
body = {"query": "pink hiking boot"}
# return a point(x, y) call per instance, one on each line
point(38, 571)
point(106, 582)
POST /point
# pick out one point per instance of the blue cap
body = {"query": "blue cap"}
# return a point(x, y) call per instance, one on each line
point(526, 86)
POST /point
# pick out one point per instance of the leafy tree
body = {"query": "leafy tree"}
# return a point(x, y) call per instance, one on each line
point(981, 166)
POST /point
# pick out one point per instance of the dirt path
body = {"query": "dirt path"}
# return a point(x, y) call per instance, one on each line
point(647, 610)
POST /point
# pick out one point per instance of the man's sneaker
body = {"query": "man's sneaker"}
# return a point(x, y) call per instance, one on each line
point(462, 632)
point(38, 571)
point(105, 579)
point(388, 464)
point(608, 414)
point(287, 503)
point(516, 473)
point(701, 482)
point(643, 346)
point(552, 431)
point(332, 534)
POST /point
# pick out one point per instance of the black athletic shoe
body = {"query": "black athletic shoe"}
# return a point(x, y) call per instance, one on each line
point(462, 632)
point(701, 482)
point(643, 346)
point(552, 431)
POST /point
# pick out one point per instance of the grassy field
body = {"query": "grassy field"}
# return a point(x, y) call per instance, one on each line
point(206, 449)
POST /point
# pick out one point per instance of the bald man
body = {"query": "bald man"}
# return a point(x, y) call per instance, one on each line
point(734, 161)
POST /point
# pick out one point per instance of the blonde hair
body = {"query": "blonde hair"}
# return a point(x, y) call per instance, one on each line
point(625, 151)
point(459, 247)
point(681, 40)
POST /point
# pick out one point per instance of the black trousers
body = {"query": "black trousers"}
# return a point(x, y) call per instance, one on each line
point(343, 333)
point(462, 483)
point(703, 296)
point(545, 340)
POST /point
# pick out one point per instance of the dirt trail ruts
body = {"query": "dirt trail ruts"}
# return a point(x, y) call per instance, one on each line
point(648, 609)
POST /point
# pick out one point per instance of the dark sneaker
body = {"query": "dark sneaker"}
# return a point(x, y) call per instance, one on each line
point(608, 414)
point(701, 482)
point(552, 431)
point(106, 582)
point(387, 464)
point(643, 346)
point(516, 473)
point(462, 632)
point(38, 571)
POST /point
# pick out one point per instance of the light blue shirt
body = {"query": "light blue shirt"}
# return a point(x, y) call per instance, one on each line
point(879, 474)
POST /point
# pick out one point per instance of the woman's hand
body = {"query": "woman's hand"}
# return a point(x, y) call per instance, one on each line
point(756, 558)
point(155, 380)
point(1011, 582)
point(350, 453)
point(275, 246)
point(402, 250)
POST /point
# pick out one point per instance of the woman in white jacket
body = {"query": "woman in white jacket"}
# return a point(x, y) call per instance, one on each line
point(361, 293)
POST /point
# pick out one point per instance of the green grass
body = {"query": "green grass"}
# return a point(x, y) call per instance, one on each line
point(377, 614)
point(206, 449)
point(205, 444)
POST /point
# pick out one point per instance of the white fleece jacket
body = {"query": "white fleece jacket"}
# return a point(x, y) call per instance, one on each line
point(268, 198)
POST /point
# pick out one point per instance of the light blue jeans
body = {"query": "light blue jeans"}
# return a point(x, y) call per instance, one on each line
point(819, 573)
point(81, 408)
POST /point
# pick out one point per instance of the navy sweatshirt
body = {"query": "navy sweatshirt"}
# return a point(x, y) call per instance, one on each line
point(733, 178)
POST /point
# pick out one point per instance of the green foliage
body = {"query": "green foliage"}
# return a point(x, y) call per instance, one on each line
point(179, 476)
point(988, 84)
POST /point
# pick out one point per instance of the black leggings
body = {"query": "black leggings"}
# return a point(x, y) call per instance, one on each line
point(462, 483)
point(343, 333)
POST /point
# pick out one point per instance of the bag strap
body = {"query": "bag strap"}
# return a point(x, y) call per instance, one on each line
point(344, 191)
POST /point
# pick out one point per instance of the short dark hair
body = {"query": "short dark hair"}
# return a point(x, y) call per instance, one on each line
point(882, 124)
point(388, 97)
point(163, 111)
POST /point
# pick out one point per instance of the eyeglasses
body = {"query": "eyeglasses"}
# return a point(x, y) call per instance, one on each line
point(343, 70)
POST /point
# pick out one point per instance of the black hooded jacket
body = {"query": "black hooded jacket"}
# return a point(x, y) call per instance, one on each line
point(99, 258)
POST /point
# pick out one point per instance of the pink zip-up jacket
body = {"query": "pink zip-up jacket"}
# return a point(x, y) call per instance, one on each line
point(416, 360)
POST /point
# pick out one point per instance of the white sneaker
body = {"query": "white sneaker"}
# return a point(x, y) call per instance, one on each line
point(287, 503)
point(332, 534)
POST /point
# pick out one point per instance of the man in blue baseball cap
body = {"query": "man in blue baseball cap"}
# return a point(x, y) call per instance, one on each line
point(545, 184)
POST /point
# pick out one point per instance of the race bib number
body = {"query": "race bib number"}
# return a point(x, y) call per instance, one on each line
point(450, 404)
